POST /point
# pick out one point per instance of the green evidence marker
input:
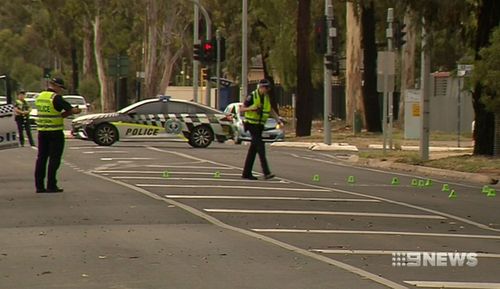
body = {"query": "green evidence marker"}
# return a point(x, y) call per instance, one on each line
point(166, 174)
point(316, 178)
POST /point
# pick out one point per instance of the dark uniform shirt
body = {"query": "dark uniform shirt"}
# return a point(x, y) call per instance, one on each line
point(59, 103)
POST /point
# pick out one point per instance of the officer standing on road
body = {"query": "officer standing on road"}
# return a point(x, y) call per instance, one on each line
point(50, 124)
point(257, 108)
point(22, 111)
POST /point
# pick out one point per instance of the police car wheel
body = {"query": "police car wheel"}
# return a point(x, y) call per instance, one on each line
point(201, 137)
point(105, 135)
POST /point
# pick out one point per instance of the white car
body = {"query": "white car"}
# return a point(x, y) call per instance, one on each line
point(272, 130)
point(79, 101)
point(31, 95)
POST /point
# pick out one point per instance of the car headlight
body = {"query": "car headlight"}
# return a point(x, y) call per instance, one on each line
point(278, 126)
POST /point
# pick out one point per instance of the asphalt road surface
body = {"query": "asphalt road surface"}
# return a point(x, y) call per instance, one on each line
point(165, 215)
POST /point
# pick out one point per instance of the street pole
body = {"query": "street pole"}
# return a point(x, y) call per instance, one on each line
point(424, 75)
point(389, 34)
point(328, 75)
point(244, 51)
point(196, 37)
point(217, 73)
point(459, 113)
point(390, 37)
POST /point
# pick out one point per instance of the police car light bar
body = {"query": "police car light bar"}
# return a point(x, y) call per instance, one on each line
point(164, 98)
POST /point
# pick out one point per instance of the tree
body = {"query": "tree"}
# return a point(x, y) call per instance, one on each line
point(354, 92)
point(488, 19)
point(370, 95)
point(487, 72)
point(304, 84)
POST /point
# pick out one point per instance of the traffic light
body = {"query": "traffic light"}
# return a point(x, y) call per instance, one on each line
point(399, 34)
point(320, 35)
point(209, 48)
point(198, 53)
point(332, 64)
point(204, 75)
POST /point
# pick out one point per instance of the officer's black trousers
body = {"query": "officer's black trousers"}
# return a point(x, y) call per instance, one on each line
point(257, 146)
point(22, 126)
point(50, 149)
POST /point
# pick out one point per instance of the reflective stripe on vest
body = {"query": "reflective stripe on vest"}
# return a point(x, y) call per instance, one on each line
point(254, 117)
point(48, 118)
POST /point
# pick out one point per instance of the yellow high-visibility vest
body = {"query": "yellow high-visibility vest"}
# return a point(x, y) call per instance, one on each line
point(257, 117)
point(48, 118)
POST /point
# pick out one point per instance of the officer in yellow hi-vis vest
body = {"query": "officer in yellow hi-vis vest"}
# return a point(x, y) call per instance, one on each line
point(257, 108)
point(50, 124)
point(22, 110)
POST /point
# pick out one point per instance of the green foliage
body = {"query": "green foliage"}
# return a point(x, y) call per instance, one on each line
point(89, 88)
point(487, 72)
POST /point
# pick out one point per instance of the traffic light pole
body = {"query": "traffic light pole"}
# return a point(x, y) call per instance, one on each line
point(198, 7)
point(390, 101)
point(196, 63)
point(217, 70)
point(327, 110)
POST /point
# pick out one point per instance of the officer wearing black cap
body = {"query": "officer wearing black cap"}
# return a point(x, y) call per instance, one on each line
point(52, 109)
point(257, 108)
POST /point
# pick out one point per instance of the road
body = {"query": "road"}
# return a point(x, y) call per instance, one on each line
point(165, 215)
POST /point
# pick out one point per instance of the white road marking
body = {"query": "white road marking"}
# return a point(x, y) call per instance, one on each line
point(289, 247)
point(230, 187)
point(193, 179)
point(188, 167)
point(456, 285)
point(296, 212)
point(268, 198)
point(135, 159)
point(161, 172)
point(376, 233)
point(90, 147)
point(106, 152)
point(385, 252)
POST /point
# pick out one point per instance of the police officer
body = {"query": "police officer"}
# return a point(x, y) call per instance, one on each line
point(22, 111)
point(257, 109)
point(50, 124)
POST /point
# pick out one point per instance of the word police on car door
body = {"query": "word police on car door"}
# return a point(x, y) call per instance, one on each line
point(8, 129)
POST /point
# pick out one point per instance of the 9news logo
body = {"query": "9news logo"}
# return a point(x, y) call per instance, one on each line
point(434, 259)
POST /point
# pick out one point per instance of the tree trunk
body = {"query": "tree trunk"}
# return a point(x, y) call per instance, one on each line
point(87, 68)
point(107, 99)
point(354, 94)
point(150, 44)
point(304, 83)
point(496, 150)
point(370, 95)
point(488, 18)
point(407, 61)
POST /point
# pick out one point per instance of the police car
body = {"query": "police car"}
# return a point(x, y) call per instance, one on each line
point(8, 127)
point(158, 118)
